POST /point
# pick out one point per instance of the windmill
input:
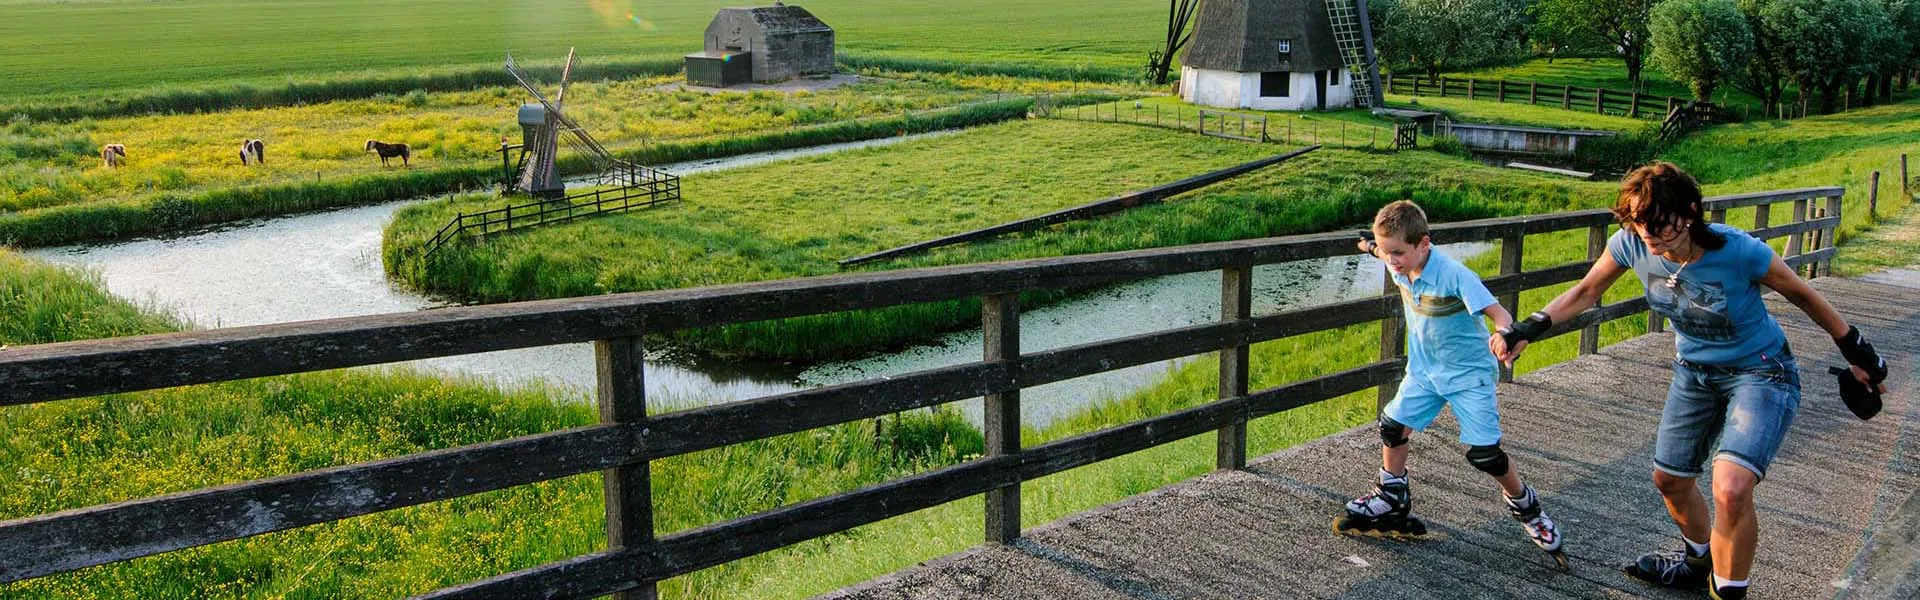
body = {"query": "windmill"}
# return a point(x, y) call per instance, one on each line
point(543, 129)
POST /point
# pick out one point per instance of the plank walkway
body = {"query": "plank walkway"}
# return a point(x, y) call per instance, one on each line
point(1839, 513)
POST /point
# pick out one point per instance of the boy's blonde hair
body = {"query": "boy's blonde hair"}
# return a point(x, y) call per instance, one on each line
point(1402, 219)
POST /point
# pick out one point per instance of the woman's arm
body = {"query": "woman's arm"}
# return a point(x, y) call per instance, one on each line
point(1781, 278)
point(1567, 305)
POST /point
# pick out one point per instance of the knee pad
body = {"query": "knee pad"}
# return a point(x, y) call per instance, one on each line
point(1488, 459)
point(1392, 433)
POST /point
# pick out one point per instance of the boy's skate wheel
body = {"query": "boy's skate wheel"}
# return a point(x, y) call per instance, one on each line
point(1560, 559)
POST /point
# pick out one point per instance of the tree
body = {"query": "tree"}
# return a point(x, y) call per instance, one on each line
point(1620, 24)
point(1160, 62)
point(1441, 35)
point(1764, 75)
point(1829, 42)
point(1700, 42)
point(1896, 51)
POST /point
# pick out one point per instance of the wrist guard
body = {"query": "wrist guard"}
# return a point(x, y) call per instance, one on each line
point(1527, 330)
point(1861, 354)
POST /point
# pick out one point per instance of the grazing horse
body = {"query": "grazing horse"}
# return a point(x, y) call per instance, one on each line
point(113, 154)
point(253, 152)
point(386, 151)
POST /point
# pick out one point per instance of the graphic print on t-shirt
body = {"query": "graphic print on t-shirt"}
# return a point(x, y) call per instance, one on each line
point(1697, 309)
point(1434, 306)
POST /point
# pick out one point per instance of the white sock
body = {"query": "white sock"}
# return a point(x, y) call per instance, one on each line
point(1697, 548)
point(1724, 584)
point(1387, 477)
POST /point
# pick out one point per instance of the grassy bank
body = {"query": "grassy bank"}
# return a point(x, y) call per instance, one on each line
point(64, 51)
point(175, 211)
point(798, 218)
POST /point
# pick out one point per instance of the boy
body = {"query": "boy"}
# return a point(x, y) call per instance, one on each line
point(1448, 363)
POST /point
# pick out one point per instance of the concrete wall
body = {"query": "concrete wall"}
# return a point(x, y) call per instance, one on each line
point(1228, 89)
point(790, 55)
point(1526, 140)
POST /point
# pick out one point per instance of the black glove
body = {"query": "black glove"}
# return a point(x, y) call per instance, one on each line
point(1860, 398)
point(1528, 329)
point(1859, 353)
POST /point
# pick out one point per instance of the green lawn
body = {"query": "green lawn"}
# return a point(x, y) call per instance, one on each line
point(97, 48)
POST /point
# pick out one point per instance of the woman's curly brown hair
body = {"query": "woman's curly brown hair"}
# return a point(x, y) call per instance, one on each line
point(1658, 195)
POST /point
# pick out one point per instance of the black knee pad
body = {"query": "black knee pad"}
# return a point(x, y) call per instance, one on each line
point(1488, 459)
point(1392, 433)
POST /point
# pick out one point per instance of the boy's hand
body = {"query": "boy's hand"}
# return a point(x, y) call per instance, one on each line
point(1366, 243)
point(1507, 354)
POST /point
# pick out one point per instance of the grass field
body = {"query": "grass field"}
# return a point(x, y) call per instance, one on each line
point(93, 49)
point(58, 163)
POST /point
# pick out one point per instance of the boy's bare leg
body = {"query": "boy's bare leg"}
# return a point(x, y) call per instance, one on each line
point(1394, 459)
point(1736, 532)
point(1510, 483)
point(1686, 504)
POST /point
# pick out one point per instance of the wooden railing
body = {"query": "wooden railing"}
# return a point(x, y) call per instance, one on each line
point(1590, 99)
point(626, 187)
point(627, 437)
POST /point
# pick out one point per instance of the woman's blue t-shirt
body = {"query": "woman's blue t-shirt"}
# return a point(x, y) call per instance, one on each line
point(1714, 303)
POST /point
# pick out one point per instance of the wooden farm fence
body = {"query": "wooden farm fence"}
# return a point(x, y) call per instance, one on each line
point(628, 436)
point(624, 188)
point(1590, 99)
point(1245, 126)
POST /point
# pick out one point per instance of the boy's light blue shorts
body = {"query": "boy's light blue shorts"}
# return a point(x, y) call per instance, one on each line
point(1417, 404)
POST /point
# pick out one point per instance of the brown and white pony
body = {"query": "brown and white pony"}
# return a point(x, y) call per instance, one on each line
point(386, 151)
point(113, 154)
point(253, 152)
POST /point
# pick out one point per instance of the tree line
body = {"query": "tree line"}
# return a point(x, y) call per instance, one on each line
point(1835, 49)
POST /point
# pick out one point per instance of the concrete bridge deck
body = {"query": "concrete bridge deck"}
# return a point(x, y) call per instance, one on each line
point(1839, 512)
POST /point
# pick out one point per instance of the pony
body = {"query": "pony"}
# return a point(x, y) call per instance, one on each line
point(113, 154)
point(386, 151)
point(253, 152)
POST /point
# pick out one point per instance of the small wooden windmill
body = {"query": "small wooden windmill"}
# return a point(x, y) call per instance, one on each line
point(543, 128)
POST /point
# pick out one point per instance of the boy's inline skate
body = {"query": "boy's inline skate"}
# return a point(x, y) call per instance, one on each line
point(1387, 510)
point(1540, 528)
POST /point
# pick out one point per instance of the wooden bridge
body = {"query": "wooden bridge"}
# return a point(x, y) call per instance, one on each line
point(1580, 430)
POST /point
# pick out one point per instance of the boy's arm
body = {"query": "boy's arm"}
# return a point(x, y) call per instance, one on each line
point(1366, 243)
point(1508, 343)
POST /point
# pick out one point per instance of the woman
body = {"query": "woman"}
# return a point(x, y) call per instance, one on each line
point(1732, 366)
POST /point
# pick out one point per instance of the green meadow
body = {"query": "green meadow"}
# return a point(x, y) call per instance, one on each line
point(95, 49)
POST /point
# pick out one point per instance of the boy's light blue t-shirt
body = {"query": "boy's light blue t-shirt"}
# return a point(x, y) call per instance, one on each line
point(1715, 307)
point(1446, 341)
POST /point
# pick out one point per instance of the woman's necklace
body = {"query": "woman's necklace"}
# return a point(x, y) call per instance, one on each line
point(1673, 279)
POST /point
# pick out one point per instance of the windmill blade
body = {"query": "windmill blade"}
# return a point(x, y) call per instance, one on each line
point(566, 71)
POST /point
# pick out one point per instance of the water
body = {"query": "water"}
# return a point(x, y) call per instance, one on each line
point(327, 265)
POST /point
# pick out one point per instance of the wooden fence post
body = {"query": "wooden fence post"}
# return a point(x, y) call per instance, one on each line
point(1633, 104)
point(1873, 198)
point(1566, 97)
point(1596, 244)
point(1443, 87)
point(619, 364)
point(1831, 239)
point(1471, 83)
point(1904, 184)
point(1000, 341)
point(1236, 304)
point(1501, 86)
point(1799, 216)
point(1533, 92)
point(1511, 248)
point(1600, 100)
point(1393, 336)
point(1416, 85)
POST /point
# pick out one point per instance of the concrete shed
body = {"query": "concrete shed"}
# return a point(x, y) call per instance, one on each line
point(780, 42)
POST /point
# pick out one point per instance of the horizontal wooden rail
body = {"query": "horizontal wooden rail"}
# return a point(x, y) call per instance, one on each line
point(1590, 99)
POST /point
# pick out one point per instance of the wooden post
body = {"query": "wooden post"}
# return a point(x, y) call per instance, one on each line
point(1236, 304)
point(1471, 83)
point(1533, 92)
point(1799, 216)
point(622, 397)
point(1873, 198)
point(1600, 100)
point(1633, 104)
point(1831, 239)
point(1511, 248)
point(1416, 85)
point(1443, 87)
point(1904, 184)
point(1719, 215)
point(1566, 97)
point(1000, 342)
point(1393, 336)
point(1596, 244)
point(1502, 94)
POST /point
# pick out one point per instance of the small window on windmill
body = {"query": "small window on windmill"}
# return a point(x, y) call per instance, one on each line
point(1286, 47)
